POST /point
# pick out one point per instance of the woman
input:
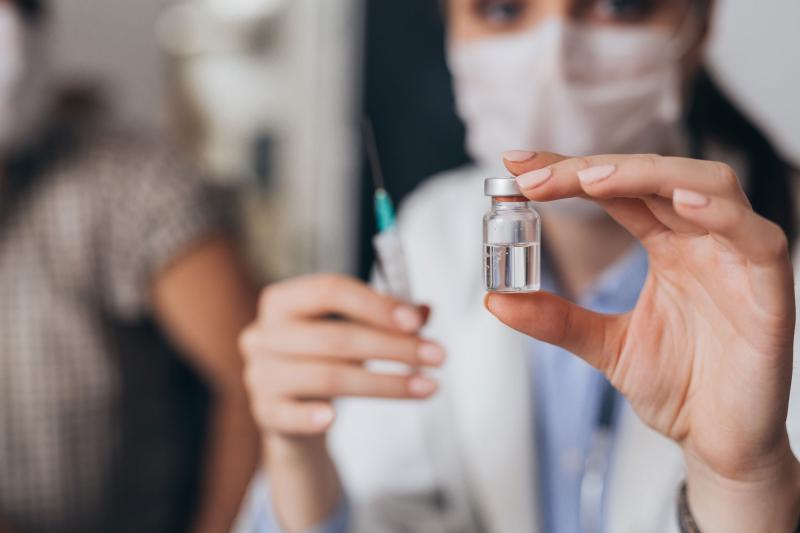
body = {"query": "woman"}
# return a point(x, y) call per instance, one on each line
point(512, 434)
point(121, 401)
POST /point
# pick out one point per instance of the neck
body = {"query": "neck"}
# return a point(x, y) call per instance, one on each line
point(582, 249)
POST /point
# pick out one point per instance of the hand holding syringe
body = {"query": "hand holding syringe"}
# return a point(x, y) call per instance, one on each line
point(300, 360)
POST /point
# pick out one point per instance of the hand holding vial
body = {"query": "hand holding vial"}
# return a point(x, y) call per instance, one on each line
point(705, 357)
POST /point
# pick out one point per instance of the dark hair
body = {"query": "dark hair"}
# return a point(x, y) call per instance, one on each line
point(713, 117)
point(73, 114)
point(31, 9)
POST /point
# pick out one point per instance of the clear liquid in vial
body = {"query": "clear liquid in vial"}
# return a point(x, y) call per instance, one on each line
point(512, 267)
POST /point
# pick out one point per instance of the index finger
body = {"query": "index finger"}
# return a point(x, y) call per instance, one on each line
point(520, 161)
point(330, 294)
point(629, 176)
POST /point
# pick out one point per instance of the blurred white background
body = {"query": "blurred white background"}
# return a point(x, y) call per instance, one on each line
point(756, 47)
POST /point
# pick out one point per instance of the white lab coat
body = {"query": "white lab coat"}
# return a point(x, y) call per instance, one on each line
point(464, 461)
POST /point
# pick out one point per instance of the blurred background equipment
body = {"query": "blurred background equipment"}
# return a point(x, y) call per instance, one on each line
point(270, 93)
point(264, 90)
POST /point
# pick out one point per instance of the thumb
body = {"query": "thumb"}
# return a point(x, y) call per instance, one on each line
point(594, 337)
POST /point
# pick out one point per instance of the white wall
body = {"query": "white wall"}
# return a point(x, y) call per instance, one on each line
point(756, 46)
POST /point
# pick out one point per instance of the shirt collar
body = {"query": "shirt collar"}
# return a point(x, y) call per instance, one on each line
point(617, 288)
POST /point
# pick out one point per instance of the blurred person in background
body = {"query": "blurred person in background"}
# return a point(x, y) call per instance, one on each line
point(679, 419)
point(121, 298)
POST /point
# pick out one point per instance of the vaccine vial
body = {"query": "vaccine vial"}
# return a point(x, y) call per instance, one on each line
point(511, 237)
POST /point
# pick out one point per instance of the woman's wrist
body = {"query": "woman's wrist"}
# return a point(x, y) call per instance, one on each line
point(768, 502)
point(294, 450)
point(305, 486)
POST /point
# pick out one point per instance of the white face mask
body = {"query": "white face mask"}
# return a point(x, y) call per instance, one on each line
point(571, 89)
point(22, 79)
point(12, 65)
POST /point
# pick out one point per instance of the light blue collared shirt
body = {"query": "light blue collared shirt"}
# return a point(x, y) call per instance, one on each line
point(265, 521)
point(567, 395)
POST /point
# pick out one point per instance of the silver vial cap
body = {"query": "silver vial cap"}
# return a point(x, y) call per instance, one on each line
point(501, 187)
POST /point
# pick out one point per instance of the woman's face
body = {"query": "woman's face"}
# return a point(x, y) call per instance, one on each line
point(573, 76)
point(475, 19)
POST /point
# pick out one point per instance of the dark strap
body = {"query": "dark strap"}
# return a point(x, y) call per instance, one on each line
point(685, 518)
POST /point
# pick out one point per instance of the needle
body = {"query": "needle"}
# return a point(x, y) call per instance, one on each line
point(384, 208)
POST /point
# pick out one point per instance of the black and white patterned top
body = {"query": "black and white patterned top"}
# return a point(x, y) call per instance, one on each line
point(101, 425)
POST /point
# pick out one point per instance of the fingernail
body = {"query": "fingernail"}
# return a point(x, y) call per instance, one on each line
point(321, 418)
point(531, 180)
point(595, 174)
point(430, 353)
point(420, 386)
point(425, 313)
point(689, 198)
point(407, 319)
point(518, 156)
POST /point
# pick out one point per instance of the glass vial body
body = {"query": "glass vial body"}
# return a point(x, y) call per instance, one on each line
point(512, 241)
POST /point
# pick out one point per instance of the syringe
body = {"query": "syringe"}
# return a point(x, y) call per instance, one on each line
point(391, 263)
point(388, 247)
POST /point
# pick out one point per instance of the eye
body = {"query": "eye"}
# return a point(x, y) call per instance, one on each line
point(500, 12)
point(624, 10)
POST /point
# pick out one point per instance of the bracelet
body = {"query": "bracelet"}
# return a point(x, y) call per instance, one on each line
point(686, 520)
